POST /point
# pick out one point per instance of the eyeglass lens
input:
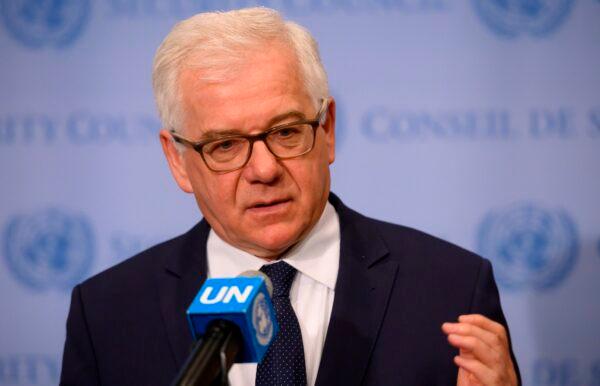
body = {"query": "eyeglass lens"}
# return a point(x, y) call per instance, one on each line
point(285, 142)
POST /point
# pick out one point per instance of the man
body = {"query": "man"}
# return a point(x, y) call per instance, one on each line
point(249, 130)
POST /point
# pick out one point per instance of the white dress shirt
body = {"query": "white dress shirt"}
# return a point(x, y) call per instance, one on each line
point(316, 258)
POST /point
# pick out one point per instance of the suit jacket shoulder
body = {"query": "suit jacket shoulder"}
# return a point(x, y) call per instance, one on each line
point(137, 272)
point(121, 329)
point(396, 287)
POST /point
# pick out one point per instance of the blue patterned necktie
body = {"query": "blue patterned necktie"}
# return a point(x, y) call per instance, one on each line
point(283, 363)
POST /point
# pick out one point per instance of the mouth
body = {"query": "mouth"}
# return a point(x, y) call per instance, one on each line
point(269, 206)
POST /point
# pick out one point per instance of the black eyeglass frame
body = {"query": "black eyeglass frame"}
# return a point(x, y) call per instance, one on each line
point(314, 123)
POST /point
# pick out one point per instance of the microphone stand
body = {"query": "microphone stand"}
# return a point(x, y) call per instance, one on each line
point(212, 356)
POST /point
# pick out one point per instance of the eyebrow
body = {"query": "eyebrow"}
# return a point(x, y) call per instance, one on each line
point(290, 114)
point(221, 133)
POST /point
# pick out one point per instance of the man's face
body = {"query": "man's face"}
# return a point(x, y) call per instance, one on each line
point(269, 204)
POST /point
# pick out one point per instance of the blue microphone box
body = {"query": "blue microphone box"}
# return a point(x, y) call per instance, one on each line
point(244, 301)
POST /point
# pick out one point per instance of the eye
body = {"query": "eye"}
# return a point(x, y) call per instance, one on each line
point(224, 146)
point(287, 132)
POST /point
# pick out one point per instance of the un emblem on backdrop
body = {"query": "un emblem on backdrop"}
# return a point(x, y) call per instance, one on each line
point(511, 18)
point(51, 248)
point(38, 23)
point(530, 247)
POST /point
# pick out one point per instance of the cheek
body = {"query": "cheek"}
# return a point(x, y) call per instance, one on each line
point(313, 178)
point(322, 163)
point(215, 193)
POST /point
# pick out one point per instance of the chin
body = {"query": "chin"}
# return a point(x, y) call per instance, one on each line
point(274, 242)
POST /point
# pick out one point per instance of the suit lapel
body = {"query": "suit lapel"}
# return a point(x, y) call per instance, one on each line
point(364, 284)
point(178, 282)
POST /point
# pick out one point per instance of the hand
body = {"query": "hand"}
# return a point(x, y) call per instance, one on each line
point(484, 355)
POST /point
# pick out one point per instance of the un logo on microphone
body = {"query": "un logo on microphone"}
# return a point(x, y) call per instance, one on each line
point(511, 18)
point(51, 248)
point(261, 320)
point(530, 247)
point(38, 23)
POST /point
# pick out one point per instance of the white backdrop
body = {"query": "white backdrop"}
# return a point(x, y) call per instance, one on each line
point(477, 121)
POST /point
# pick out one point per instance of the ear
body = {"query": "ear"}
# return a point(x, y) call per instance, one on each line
point(176, 161)
point(329, 128)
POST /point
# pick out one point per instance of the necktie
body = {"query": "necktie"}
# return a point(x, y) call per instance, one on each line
point(283, 363)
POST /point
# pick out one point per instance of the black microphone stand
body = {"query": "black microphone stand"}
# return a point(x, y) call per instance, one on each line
point(212, 356)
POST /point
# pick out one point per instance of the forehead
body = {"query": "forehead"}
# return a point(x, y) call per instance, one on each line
point(266, 84)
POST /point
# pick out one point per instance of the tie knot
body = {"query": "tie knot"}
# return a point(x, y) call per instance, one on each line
point(282, 275)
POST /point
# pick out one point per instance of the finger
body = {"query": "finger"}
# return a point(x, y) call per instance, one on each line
point(488, 347)
point(466, 378)
point(482, 373)
point(484, 323)
point(476, 349)
point(466, 329)
point(473, 380)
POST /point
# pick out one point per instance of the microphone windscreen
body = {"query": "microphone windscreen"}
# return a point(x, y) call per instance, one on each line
point(252, 273)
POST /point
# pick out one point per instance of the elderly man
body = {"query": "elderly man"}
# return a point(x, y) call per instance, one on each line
point(249, 130)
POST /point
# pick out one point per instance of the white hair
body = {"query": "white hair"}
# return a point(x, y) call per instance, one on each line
point(218, 42)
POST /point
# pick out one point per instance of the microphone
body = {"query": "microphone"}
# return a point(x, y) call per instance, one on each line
point(233, 320)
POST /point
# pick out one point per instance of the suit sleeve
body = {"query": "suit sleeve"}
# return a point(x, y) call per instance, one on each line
point(79, 365)
point(486, 301)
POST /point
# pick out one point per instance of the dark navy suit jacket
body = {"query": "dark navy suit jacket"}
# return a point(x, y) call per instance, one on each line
point(395, 288)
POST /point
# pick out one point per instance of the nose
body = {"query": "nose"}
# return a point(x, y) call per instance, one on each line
point(262, 167)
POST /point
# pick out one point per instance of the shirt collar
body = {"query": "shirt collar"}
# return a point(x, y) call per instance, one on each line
point(317, 255)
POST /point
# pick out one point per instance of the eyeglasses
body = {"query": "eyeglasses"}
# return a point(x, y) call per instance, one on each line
point(232, 152)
